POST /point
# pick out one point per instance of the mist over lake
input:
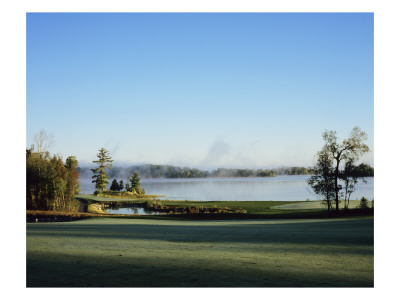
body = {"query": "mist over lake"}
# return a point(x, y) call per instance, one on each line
point(279, 188)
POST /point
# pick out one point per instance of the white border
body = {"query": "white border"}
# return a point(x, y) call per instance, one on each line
point(13, 122)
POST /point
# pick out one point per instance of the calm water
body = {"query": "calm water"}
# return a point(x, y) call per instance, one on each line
point(281, 188)
point(130, 211)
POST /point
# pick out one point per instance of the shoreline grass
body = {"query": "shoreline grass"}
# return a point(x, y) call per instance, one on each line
point(47, 216)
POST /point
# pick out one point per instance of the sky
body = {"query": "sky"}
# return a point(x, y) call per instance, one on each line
point(251, 90)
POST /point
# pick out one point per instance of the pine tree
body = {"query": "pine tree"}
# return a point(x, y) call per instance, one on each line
point(363, 203)
point(100, 174)
point(135, 181)
point(114, 185)
point(121, 185)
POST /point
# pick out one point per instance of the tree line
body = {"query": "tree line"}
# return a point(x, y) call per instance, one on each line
point(51, 183)
point(168, 171)
point(132, 185)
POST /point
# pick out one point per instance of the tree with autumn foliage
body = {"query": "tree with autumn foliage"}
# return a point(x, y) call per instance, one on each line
point(51, 184)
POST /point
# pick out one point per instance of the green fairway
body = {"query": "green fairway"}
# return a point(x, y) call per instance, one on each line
point(122, 252)
point(315, 205)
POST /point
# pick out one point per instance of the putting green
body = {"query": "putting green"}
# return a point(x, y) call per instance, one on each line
point(315, 205)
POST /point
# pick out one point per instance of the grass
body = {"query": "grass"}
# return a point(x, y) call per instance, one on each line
point(45, 216)
point(133, 252)
point(275, 244)
point(254, 209)
point(315, 205)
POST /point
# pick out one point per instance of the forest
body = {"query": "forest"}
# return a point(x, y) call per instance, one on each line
point(51, 183)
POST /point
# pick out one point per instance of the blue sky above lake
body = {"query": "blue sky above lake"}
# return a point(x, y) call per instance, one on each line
point(199, 90)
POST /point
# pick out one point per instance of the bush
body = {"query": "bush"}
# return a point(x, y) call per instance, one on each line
point(95, 209)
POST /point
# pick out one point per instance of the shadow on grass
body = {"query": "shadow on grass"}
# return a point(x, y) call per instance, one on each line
point(66, 256)
point(117, 271)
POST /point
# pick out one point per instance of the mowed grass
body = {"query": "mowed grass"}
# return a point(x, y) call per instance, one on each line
point(122, 252)
point(252, 207)
point(315, 205)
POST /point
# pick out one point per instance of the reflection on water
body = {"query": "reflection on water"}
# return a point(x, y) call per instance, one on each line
point(280, 188)
point(130, 211)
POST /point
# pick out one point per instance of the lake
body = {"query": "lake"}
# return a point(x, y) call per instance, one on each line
point(279, 188)
point(130, 211)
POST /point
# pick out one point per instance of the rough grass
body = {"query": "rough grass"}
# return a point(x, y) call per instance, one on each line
point(122, 252)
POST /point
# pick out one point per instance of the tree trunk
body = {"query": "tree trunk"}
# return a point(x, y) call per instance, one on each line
point(328, 201)
point(336, 183)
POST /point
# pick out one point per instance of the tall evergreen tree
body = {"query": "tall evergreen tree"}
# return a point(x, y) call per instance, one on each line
point(100, 176)
point(114, 185)
point(135, 181)
point(121, 185)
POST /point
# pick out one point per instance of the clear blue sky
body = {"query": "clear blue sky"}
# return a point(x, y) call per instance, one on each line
point(199, 90)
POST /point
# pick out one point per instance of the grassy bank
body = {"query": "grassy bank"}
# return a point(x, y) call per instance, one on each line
point(118, 196)
point(232, 209)
point(132, 252)
point(251, 207)
point(55, 216)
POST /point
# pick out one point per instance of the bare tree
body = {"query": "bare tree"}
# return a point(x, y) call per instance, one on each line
point(43, 141)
